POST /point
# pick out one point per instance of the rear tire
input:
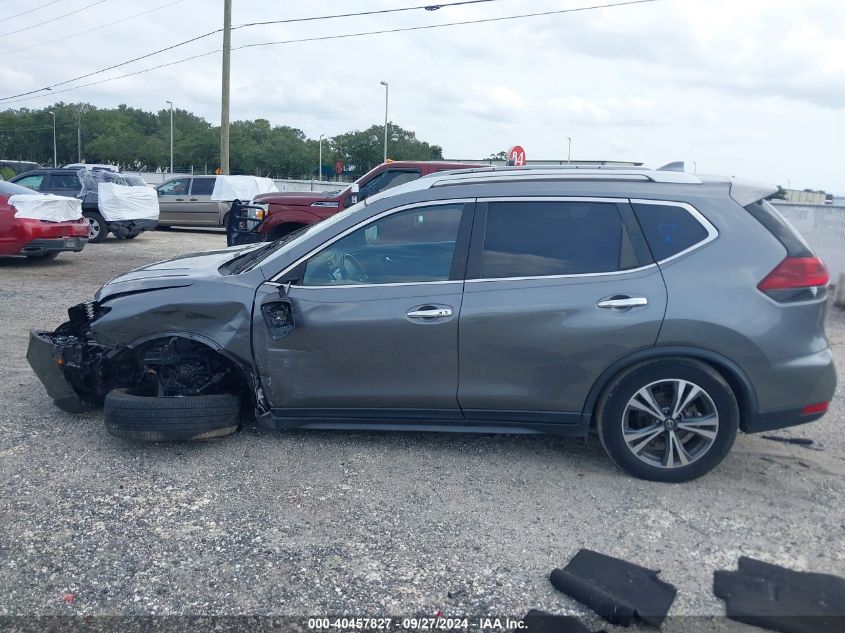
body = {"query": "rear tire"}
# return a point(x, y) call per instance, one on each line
point(685, 443)
point(131, 415)
point(44, 257)
point(98, 229)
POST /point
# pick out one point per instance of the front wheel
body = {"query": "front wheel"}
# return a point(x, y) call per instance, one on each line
point(97, 228)
point(669, 420)
point(135, 415)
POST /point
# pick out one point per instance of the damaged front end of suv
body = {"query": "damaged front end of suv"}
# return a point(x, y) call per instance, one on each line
point(173, 331)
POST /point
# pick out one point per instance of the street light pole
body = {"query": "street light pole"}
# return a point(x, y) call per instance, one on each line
point(386, 90)
point(569, 153)
point(171, 135)
point(694, 167)
point(55, 162)
point(320, 160)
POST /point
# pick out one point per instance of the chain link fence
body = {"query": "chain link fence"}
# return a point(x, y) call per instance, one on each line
point(823, 226)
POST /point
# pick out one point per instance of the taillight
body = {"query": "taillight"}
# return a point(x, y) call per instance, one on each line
point(796, 279)
point(810, 409)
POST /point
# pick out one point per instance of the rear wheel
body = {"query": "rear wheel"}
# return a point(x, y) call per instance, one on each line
point(133, 414)
point(669, 420)
point(97, 228)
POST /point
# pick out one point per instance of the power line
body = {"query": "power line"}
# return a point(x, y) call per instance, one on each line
point(15, 99)
point(40, 6)
point(437, 26)
point(59, 17)
point(214, 32)
point(94, 28)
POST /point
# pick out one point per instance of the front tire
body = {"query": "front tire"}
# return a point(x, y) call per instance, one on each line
point(97, 228)
point(671, 420)
point(132, 415)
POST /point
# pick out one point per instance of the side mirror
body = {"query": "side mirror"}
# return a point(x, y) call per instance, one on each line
point(278, 315)
point(354, 191)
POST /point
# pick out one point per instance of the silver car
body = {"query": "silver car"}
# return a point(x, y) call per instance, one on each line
point(661, 310)
point(186, 201)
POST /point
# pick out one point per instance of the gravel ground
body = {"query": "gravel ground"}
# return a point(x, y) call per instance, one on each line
point(362, 523)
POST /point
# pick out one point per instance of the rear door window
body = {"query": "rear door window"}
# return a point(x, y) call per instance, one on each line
point(669, 229)
point(202, 186)
point(64, 181)
point(534, 239)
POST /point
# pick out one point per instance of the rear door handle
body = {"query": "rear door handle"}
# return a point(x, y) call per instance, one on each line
point(429, 312)
point(623, 302)
point(193, 199)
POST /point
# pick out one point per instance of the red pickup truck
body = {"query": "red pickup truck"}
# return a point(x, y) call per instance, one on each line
point(282, 213)
point(37, 239)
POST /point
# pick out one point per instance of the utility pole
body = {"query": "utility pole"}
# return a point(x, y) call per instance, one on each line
point(569, 153)
point(79, 136)
point(171, 136)
point(386, 90)
point(320, 160)
point(224, 115)
point(55, 162)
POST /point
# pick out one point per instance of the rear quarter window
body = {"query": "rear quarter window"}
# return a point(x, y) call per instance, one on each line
point(669, 229)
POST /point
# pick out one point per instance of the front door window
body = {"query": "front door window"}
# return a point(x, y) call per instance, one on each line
point(412, 246)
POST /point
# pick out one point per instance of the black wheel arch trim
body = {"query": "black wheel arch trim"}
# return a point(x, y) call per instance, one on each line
point(747, 400)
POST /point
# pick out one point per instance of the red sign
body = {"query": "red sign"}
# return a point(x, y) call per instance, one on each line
point(516, 155)
point(338, 168)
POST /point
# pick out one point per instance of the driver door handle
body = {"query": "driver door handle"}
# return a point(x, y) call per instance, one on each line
point(429, 313)
point(623, 302)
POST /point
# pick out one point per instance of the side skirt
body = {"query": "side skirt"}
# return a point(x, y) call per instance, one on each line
point(422, 420)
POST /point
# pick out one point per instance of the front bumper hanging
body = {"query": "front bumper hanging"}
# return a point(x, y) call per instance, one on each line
point(48, 354)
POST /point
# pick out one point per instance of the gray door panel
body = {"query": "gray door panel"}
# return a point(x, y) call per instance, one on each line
point(539, 344)
point(173, 196)
point(200, 209)
point(356, 348)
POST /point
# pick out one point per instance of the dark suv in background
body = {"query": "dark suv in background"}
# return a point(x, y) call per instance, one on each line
point(82, 183)
point(664, 310)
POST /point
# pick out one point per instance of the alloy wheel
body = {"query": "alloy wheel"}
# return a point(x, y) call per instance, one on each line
point(94, 228)
point(670, 423)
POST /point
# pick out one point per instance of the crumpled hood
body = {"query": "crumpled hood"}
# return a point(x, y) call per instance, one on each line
point(293, 198)
point(172, 273)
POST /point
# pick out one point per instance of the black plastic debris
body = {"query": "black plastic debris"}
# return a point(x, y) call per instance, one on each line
point(537, 621)
point(778, 598)
point(615, 589)
point(799, 441)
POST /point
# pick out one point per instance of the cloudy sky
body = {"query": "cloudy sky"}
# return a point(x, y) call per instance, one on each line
point(753, 88)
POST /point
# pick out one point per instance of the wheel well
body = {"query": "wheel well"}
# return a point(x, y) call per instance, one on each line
point(185, 363)
point(739, 384)
point(283, 229)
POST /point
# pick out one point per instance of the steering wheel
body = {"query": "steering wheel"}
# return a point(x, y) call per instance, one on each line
point(352, 268)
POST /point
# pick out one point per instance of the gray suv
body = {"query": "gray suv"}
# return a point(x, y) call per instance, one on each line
point(663, 310)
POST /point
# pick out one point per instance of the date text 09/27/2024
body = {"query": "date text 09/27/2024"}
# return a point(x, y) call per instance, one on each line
point(439, 623)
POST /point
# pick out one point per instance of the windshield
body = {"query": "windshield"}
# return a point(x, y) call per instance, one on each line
point(11, 189)
point(253, 258)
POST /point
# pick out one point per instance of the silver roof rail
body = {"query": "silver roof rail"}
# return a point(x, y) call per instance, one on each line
point(564, 172)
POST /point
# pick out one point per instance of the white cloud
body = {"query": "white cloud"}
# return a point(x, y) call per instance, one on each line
point(749, 87)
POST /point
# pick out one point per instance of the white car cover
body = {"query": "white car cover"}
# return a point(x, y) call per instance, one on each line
point(48, 207)
point(120, 202)
point(242, 188)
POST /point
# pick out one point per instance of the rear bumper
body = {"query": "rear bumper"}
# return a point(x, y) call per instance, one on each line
point(122, 228)
point(47, 359)
point(44, 246)
point(808, 380)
